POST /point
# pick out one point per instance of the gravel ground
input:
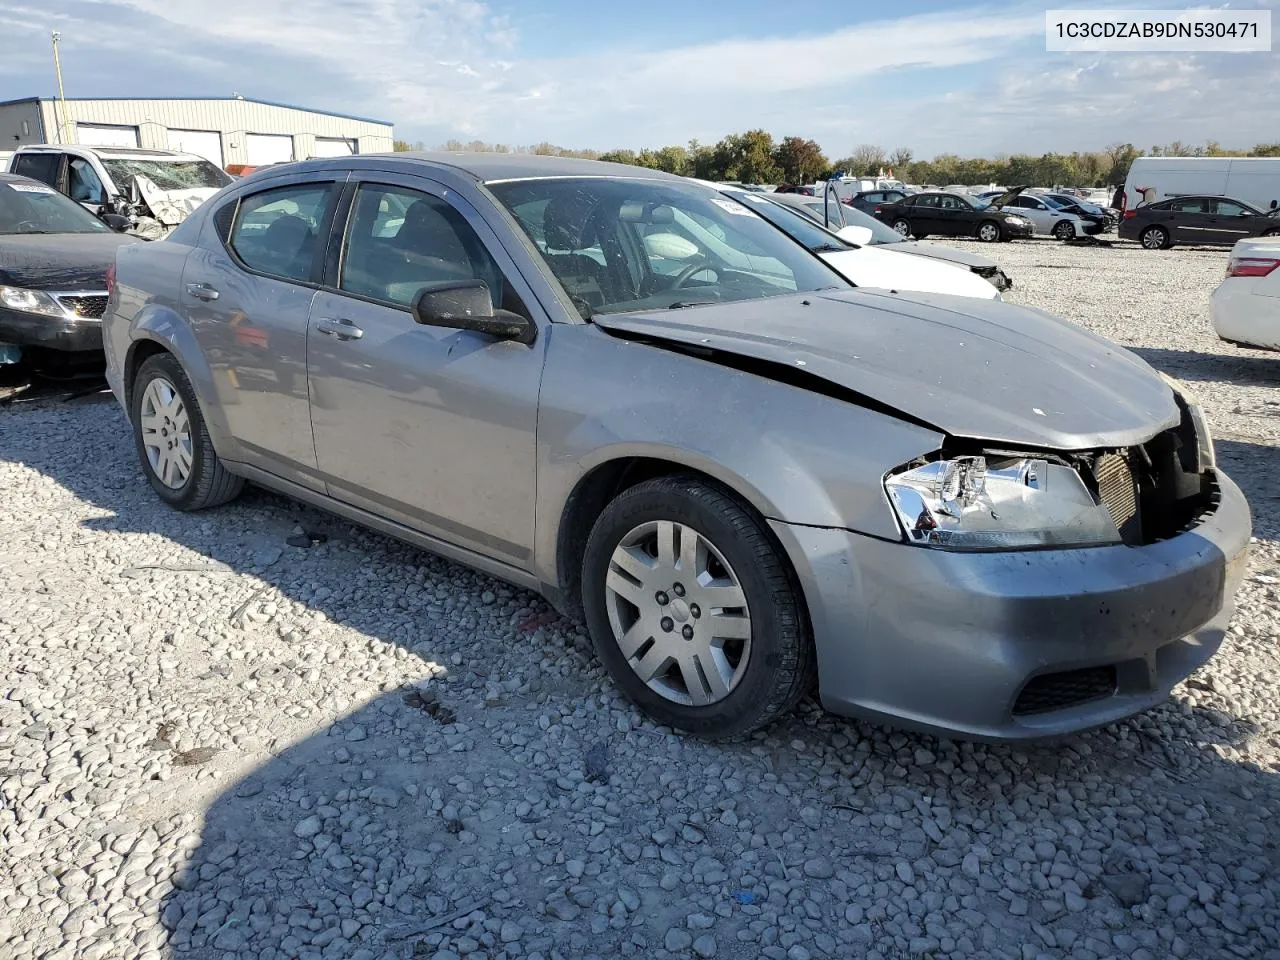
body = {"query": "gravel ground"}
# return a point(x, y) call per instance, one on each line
point(217, 745)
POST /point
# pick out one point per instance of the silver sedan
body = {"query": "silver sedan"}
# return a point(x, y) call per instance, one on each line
point(639, 398)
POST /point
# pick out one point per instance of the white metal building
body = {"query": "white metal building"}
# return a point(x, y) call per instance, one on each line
point(230, 130)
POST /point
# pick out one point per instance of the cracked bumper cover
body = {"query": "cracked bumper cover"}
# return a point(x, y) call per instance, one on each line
point(945, 641)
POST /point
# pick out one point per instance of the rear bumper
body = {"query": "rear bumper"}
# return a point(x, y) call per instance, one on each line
point(66, 333)
point(1241, 315)
point(948, 642)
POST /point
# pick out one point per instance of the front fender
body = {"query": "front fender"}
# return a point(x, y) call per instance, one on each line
point(795, 455)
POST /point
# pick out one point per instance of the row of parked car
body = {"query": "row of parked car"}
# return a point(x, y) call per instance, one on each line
point(664, 405)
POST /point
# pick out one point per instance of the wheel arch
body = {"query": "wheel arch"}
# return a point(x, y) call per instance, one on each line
point(605, 480)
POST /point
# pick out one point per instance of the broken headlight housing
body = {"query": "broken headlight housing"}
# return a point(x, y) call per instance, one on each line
point(998, 503)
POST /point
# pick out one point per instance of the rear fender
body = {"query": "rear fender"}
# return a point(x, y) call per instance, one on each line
point(158, 324)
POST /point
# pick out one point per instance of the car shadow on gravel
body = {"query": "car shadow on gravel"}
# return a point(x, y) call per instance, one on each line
point(1243, 366)
point(514, 805)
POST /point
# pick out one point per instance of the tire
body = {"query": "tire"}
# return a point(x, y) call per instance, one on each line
point(1272, 233)
point(772, 661)
point(206, 483)
point(1063, 230)
point(902, 226)
point(990, 232)
point(1155, 238)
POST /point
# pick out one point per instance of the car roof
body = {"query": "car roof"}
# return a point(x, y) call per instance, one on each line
point(496, 167)
point(15, 178)
point(109, 153)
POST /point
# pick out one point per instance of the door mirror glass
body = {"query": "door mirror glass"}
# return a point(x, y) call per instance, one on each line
point(116, 222)
point(859, 236)
point(466, 305)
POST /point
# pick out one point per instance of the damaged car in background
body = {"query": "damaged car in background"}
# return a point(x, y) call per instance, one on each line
point(749, 476)
point(155, 189)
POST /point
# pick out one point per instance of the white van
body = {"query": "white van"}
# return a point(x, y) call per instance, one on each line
point(1255, 180)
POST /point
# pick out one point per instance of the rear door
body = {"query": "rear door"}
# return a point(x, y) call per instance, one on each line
point(922, 212)
point(432, 427)
point(952, 216)
point(1191, 220)
point(248, 294)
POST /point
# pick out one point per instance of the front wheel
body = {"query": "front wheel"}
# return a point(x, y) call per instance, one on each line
point(902, 226)
point(693, 610)
point(173, 442)
point(1155, 238)
point(1064, 231)
point(1272, 233)
point(989, 231)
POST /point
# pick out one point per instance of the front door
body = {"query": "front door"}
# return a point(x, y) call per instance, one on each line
point(1233, 222)
point(1191, 220)
point(428, 426)
point(248, 299)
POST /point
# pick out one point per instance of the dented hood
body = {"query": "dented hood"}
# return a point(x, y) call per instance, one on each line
point(171, 207)
point(981, 369)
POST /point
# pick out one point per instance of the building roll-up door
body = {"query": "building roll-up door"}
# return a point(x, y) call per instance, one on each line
point(203, 143)
point(333, 147)
point(264, 148)
point(102, 135)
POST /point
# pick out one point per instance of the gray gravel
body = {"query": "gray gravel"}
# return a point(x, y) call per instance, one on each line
point(216, 745)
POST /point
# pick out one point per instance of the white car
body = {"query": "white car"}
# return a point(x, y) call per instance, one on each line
point(1047, 216)
point(1246, 306)
point(850, 253)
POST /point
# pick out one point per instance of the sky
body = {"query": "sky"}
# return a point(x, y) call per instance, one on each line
point(966, 78)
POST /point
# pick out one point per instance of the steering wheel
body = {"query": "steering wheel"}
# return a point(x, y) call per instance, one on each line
point(691, 271)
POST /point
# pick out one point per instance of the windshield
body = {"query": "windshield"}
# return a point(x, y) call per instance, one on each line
point(36, 208)
point(618, 245)
point(795, 225)
point(166, 174)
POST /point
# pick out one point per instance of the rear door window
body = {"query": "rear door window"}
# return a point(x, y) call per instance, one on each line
point(1190, 205)
point(277, 232)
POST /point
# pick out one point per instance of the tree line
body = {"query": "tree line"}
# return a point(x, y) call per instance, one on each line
point(756, 157)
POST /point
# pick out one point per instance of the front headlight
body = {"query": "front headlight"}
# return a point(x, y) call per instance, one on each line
point(1018, 220)
point(1004, 503)
point(30, 301)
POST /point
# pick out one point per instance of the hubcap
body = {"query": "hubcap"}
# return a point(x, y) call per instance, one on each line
point(1154, 239)
point(988, 232)
point(903, 228)
point(694, 648)
point(166, 433)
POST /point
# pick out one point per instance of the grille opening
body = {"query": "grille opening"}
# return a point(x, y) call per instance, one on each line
point(91, 306)
point(1153, 491)
point(1057, 691)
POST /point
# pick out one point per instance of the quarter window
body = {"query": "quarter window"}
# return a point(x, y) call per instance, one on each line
point(277, 231)
point(401, 241)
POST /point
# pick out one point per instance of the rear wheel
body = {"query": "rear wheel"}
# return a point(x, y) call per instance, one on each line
point(1155, 238)
point(693, 611)
point(990, 232)
point(172, 441)
point(1063, 230)
point(903, 226)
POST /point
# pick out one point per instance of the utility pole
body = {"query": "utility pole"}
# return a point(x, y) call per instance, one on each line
point(62, 98)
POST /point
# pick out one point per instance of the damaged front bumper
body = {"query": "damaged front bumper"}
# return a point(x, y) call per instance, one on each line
point(1015, 645)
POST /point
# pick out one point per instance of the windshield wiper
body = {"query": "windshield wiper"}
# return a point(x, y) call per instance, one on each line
point(830, 248)
point(681, 304)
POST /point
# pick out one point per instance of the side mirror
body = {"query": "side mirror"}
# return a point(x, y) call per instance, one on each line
point(116, 222)
point(465, 305)
point(858, 236)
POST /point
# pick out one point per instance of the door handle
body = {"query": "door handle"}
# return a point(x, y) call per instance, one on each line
point(343, 328)
point(202, 291)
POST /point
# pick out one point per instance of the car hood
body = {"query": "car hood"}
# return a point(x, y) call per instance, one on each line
point(979, 369)
point(870, 267)
point(938, 252)
point(59, 261)
point(1006, 197)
